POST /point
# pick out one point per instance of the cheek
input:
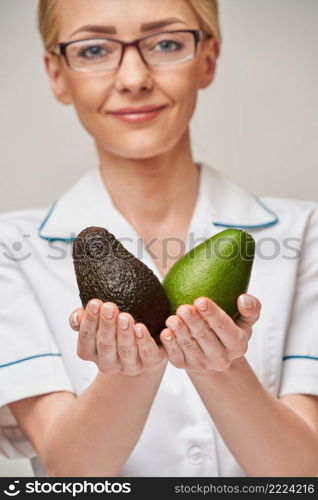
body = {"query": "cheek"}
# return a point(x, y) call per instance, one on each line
point(182, 86)
point(89, 94)
point(90, 101)
point(184, 92)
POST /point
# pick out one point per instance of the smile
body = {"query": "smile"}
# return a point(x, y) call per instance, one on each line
point(138, 117)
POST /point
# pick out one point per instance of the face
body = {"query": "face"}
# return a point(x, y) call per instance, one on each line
point(134, 84)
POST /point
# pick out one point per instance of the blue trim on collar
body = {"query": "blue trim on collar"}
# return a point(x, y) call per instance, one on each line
point(300, 357)
point(267, 224)
point(30, 357)
point(70, 240)
point(52, 238)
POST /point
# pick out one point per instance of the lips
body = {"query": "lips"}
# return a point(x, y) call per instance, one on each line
point(134, 111)
point(140, 117)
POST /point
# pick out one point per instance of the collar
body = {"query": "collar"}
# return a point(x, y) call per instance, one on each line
point(88, 203)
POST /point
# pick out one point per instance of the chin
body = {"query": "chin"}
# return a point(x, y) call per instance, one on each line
point(139, 155)
point(140, 151)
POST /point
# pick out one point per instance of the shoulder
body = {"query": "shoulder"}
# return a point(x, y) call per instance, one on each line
point(289, 205)
point(24, 222)
point(27, 216)
point(234, 205)
point(292, 213)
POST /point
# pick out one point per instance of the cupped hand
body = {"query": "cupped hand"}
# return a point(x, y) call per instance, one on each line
point(113, 341)
point(203, 337)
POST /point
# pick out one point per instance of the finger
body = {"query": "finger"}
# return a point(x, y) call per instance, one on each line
point(191, 350)
point(106, 342)
point(75, 318)
point(86, 344)
point(231, 336)
point(149, 353)
point(126, 344)
point(249, 308)
point(174, 352)
point(200, 330)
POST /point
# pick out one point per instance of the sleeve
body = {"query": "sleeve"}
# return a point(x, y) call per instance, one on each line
point(30, 362)
point(300, 359)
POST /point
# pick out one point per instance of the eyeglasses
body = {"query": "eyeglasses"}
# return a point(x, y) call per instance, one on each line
point(106, 54)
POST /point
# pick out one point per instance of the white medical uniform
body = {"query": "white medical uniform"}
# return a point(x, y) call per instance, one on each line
point(38, 291)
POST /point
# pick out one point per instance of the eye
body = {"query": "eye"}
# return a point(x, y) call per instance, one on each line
point(93, 52)
point(169, 45)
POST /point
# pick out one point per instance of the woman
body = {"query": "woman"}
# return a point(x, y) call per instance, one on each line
point(218, 398)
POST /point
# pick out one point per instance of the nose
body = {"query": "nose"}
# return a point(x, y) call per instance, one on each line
point(133, 75)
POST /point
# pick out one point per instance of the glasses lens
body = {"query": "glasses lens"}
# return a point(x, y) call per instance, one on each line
point(168, 48)
point(100, 54)
point(94, 55)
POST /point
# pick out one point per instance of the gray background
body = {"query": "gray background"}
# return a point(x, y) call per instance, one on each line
point(258, 122)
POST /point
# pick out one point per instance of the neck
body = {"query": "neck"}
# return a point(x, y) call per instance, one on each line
point(152, 191)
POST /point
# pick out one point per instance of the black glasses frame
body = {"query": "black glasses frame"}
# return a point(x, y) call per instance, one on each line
point(62, 46)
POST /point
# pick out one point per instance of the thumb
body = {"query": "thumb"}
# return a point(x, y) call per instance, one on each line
point(75, 318)
point(249, 308)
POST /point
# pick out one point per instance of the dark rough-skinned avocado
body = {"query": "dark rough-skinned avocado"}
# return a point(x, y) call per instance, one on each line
point(106, 270)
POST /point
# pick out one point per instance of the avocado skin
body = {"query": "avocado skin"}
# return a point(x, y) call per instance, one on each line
point(219, 268)
point(106, 270)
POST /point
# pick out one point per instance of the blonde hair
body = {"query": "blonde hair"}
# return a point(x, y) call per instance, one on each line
point(208, 14)
point(48, 23)
point(206, 10)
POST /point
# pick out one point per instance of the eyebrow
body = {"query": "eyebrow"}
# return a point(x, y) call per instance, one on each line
point(144, 27)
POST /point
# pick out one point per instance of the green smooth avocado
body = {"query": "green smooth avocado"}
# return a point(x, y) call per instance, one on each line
point(219, 268)
point(105, 270)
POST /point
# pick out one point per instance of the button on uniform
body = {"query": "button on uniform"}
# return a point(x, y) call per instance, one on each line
point(195, 455)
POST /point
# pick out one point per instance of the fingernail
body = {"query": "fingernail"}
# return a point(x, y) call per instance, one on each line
point(185, 312)
point(123, 321)
point(94, 307)
point(108, 311)
point(138, 331)
point(202, 305)
point(246, 301)
point(167, 337)
point(74, 319)
point(174, 323)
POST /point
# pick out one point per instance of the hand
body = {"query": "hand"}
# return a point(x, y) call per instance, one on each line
point(207, 338)
point(114, 347)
